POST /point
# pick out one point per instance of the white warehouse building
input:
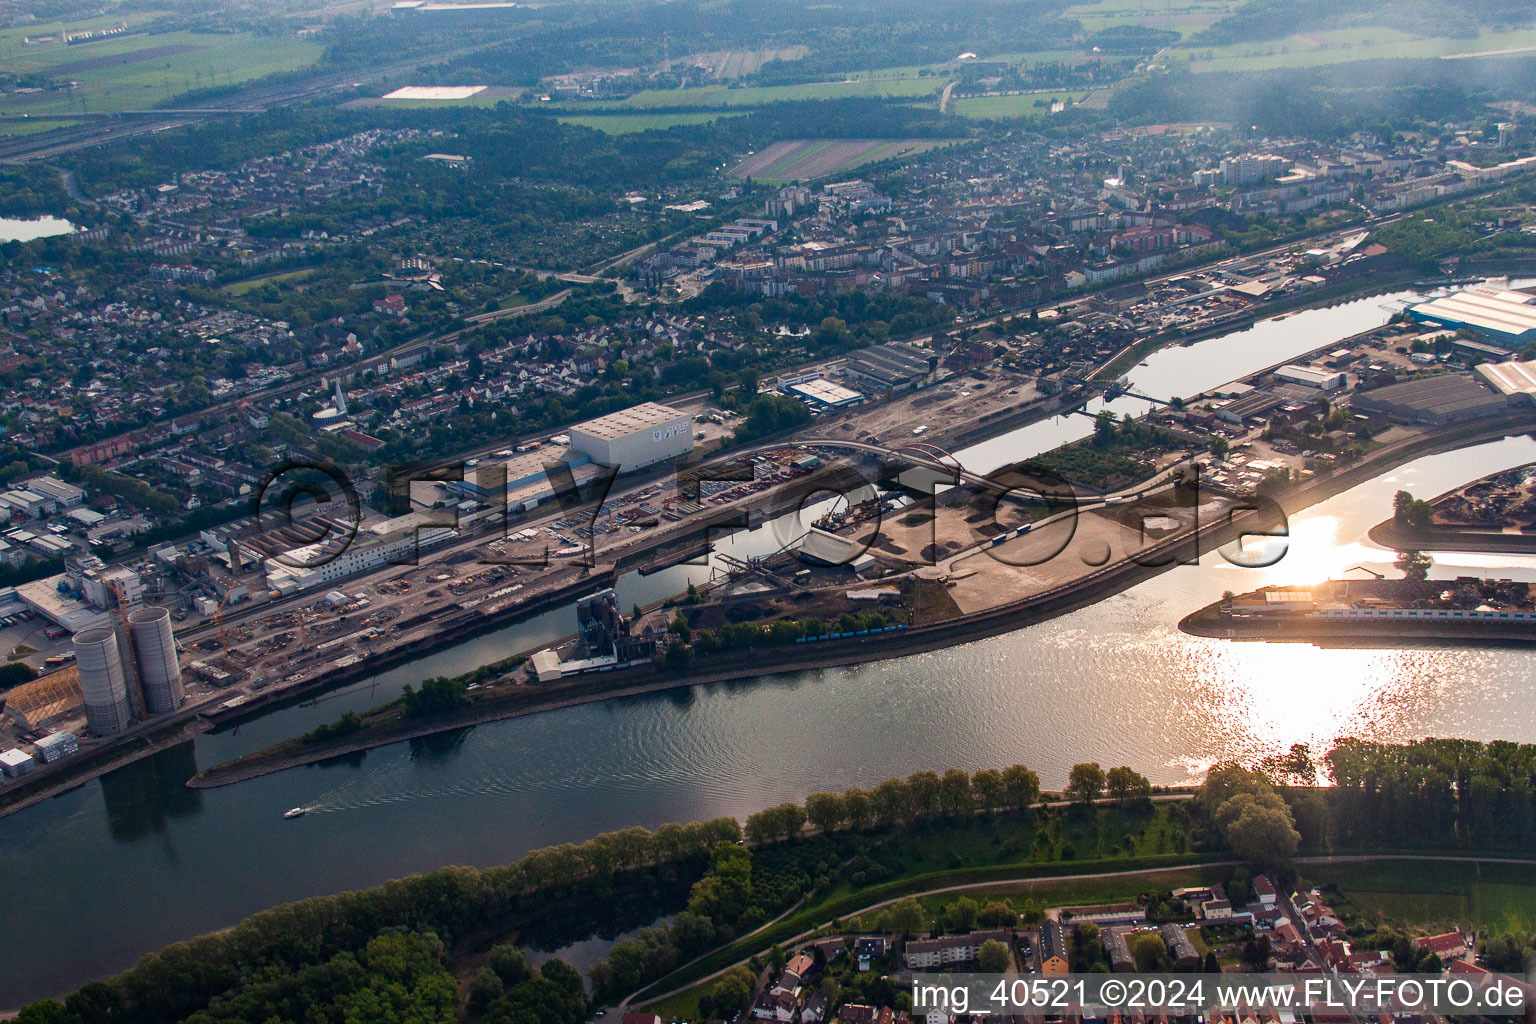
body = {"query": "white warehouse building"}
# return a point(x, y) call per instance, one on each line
point(1311, 376)
point(635, 438)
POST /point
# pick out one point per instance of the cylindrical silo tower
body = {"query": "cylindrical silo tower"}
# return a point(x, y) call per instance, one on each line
point(154, 649)
point(102, 681)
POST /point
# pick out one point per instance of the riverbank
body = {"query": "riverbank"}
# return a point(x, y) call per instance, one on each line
point(453, 626)
point(1390, 534)
point(49, 781)
point(718, 668)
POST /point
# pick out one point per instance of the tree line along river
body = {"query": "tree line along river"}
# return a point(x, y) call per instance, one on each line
point(107, 872)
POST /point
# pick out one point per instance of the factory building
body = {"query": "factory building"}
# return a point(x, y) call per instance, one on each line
point(154, 651)
point(1250, 407)
point(820, 393)
point(1516, 381)
point(634, 438)
point(1446, 398)
point(397, 540)
point(1311, 377)
point(108, 663)
point(889, 368)
point(103, 681)
point(1505, 315)
point(522, 482)
point(58, 745)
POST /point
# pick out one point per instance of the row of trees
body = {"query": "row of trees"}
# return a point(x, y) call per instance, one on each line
point(1436, 791)
point(740, 636)
point(921, 796)
point(927, 795)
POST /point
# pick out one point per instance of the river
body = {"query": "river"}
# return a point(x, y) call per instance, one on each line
point(111, 870)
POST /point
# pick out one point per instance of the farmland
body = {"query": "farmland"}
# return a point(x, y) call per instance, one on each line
point(807, 159)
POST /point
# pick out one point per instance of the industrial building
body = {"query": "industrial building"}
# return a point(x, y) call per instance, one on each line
point(1442, 399)
point(133, 673)
point(821, 394)
point(385, 541)
point(632, 439)
point(1240, 411)
point(1311, 377)
point(103, 681)
point(606, 633)
point(1516, 381)
point(56, 746)
point(15, 763)
point(154, 650)
point(889, 368)
point(1506, 315)
point(45, 700)
point(522, 482)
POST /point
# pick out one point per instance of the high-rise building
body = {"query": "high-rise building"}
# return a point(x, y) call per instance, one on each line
point(1252, 168)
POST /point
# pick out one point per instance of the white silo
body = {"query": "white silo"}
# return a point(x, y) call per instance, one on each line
point(154, 650)
point(103, 683)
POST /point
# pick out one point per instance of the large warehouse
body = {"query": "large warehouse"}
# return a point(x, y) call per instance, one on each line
point(1516, 381)
point(889, 368)
point(1503, 314)
point(635, 438)
point(1446, 398)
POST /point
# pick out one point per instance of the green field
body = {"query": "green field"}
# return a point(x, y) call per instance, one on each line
point(27, 127)
point(1028, 104)
point(158, 67)
point(1498, 897)
point(1342, 45)
point(287, 277)
point(1182, 16)
point(756, 96)
point(624, 124)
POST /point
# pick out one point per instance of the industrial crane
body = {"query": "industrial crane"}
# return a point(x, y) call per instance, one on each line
point(218, 620)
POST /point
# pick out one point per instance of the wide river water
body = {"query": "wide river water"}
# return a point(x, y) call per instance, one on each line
point(100, 875)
